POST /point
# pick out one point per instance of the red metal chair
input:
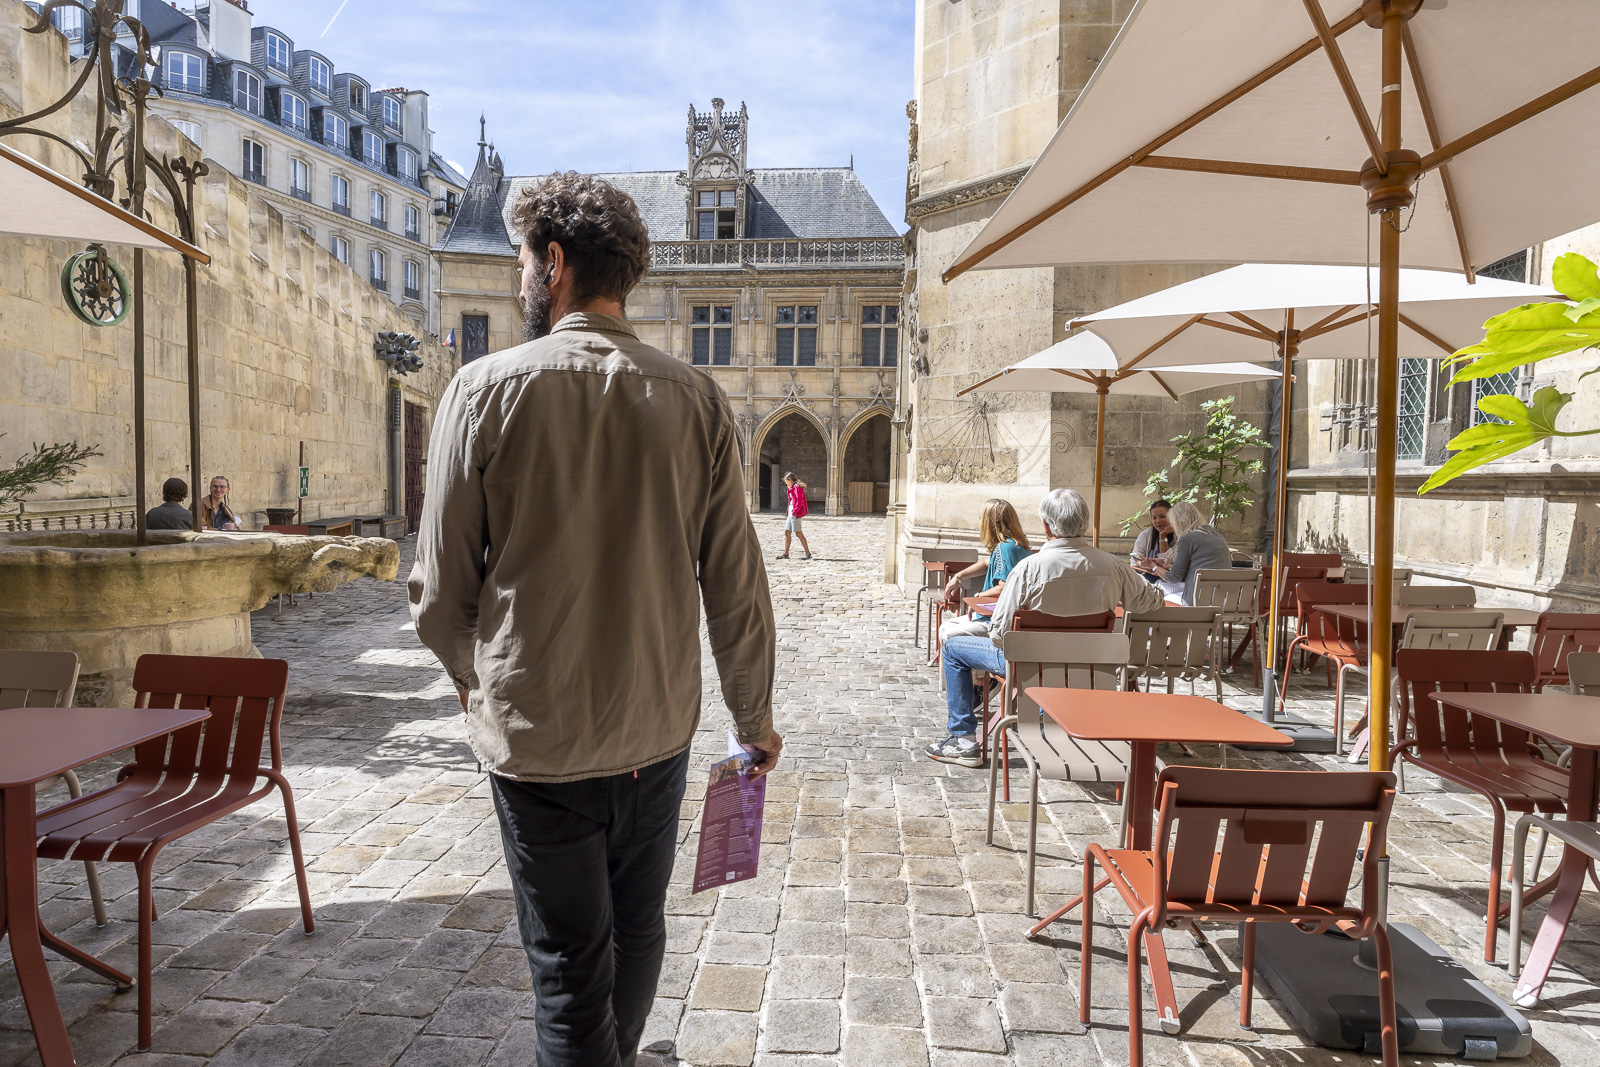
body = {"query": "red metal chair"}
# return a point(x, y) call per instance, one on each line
point(1297, 567)
point(1498, 762)
point(209, 770)
point(1557, 636)
point(1341, 642)
point(1265, 869)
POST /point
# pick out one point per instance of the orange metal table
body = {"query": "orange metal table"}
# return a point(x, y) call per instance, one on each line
point(1145, 720)
point(40, 743)
point(1571, 720)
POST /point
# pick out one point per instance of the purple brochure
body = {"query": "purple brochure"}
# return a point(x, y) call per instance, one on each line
point(730, 822)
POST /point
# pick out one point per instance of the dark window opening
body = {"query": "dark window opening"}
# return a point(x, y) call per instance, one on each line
point(474, 337)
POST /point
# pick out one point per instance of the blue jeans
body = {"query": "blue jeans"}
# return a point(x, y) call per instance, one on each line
point(963, 655)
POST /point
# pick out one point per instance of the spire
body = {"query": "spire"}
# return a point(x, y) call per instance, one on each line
point(478, 227)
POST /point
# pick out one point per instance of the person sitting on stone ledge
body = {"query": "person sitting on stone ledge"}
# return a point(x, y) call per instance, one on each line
point(171, 514)
point(1066, 552)
point(1002, 536)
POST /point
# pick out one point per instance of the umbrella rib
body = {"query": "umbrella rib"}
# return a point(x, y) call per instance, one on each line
point(1253, 170)
point(986, 381)
point(1317, 327)
point(1306, 335)
point(1342, 71)
point(966, 263)
point(1231, 328)
point(1140, 357)
point(1252, 322)
point(1163, 384)
point(1428, 120)
point(1426, 335)
point(1440, 156)
point(1087, 378)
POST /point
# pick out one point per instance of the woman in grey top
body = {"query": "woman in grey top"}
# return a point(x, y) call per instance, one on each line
point(1199, 548)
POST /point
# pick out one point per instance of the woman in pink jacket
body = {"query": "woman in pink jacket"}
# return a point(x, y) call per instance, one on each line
point(798, 509)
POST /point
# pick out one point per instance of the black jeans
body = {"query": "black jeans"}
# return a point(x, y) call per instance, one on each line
point(589, 862)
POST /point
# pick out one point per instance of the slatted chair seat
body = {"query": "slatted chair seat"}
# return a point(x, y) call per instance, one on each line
point(1060, 756)
point(1438, 596)
point(1557, 636)
point(182, 782)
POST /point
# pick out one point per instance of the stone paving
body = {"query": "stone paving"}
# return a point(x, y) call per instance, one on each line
point(882, 930)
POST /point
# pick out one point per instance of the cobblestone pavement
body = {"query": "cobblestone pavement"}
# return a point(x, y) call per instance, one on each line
point(882, 930)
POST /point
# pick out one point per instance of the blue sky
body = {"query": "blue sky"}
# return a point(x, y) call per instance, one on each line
point(603, 85)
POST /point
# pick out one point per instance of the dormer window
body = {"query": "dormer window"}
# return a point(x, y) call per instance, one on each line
point(277, 52)
point(392, 117)
point(358, 98)
point(405, 163)
point(292, 112)
point(372, 148)
point(335, 131)
point(715, 215)
point(247, 92)
point(185, 72)
point(318, 76)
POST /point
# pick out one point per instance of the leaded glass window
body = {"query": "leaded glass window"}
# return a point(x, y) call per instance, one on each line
point(711, 335)
point(1413, 406)
point(880, 335)
point(1494, 385)
point(797, 336)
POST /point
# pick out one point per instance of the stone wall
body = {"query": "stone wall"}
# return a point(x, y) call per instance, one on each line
point(286, 335)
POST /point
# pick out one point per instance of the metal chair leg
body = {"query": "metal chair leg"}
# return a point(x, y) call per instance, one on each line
point(90, 872)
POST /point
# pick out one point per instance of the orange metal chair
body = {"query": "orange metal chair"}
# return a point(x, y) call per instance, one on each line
point(1557, 636)
point(1497, 761)
point(1342, 643)
point(210, 770)
point(1272, 865)
point(1297, 567)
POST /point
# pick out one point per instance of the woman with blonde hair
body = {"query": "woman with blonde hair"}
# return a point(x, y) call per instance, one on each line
point(1001, 533)
point(1199, 547)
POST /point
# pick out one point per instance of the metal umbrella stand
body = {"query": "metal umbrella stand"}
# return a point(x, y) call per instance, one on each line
point(1248, 131)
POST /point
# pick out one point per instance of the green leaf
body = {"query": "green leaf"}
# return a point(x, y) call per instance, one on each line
point(1530, 335)
point(1526, 424)
point(1583, 307)
point(1576, 276)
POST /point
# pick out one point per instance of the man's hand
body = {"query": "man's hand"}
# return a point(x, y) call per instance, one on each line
point(461, 695)
point(766, 754)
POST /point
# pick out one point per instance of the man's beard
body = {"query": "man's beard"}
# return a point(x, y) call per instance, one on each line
point(536, 310)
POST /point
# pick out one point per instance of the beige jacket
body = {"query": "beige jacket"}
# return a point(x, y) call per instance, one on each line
point(584, 495)
point(1074, 556)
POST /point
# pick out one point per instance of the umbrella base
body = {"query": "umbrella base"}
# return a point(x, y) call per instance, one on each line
point(1333, 999)
point(1306, 736)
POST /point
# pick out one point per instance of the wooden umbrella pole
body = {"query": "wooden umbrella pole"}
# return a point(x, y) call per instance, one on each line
point(1102, 386)
point(1288, 345)
point(140, 536)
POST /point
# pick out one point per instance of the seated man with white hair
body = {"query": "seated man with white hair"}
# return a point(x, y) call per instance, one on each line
point(1066, 552)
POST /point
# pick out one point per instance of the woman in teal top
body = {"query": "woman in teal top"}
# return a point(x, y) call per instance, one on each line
point(1007, 545)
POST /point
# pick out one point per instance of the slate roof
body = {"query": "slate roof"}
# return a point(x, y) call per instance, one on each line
point(478, 228)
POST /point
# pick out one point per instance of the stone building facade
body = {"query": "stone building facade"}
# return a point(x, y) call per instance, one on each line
point(784, 283)
point(993, 80)
point(287, 355)
point(350, 164)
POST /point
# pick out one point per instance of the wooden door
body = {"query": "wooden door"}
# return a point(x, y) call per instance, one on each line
point(416, 455)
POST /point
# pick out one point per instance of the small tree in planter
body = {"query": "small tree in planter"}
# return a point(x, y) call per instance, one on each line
point(45, 465)
point(1211, 468)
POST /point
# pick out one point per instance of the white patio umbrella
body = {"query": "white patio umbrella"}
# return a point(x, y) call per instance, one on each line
point(1084, 363)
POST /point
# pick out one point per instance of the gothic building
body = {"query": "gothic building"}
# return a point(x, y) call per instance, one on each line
point(784, 283)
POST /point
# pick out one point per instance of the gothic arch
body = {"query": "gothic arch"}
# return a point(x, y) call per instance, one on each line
point(758, 463)
point(777, 415)
point(859, 420)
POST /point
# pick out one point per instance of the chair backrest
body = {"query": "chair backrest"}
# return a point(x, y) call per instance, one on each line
point(1312, 560)
point(1284, 840)
point(245, 698)
point(1557, 636)
point(1361, 575)
point(963, 556)
point(31, 679)
point(285, 529)
point(1079, 594)
point(1061, 661)
point(1304, 567)
point(1235, 592)
point(1103, 622)
point(1436, 726)
point(1452, 629)
point(1583, 671)
point(1438, 596)
point(1170, 639)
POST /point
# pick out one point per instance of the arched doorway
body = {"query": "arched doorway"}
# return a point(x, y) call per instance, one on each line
point(793, 443)
point(866, 466)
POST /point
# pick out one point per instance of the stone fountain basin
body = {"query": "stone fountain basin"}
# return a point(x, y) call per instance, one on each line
point(97, 593)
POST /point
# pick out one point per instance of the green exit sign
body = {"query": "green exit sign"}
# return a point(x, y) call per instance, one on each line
point(305, 482)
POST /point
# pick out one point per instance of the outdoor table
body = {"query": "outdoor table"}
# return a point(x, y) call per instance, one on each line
point(1145, 720)
point(1512, 617)
point(1572, 720)
point(981, 605)
point(41, 743)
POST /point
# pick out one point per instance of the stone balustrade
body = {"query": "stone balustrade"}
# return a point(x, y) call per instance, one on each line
point(794, 253)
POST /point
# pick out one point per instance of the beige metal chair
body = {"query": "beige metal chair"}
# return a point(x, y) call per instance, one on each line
point(1235, 593)
point(47, 680)
point(1175, 644)
point(1057, 660)
point(933, 581)
point(1438, 596)
point(1583, 673)
point(1363, 575)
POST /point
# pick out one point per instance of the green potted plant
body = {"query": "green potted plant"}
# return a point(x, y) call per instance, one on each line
point(1211, 468)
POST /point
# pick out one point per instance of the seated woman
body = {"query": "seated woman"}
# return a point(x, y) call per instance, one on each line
point(1200, 547)
point(1155, 541)
point(1003, 539)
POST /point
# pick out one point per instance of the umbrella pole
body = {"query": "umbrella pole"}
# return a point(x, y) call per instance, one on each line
point(1288, 345)
point(139, 528)
point(1101, 388)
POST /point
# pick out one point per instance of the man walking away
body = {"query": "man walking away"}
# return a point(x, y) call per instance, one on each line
point(584, 493)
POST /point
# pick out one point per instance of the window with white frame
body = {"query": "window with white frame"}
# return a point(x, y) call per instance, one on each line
point(335, 130)
point(393, 117)
point(413, 279)
point(318, 76)
point(292, 112)
point(797, 335)
point(880, 335)
point(247, 92)
point(190, 130)
point(358, 98)
point(340, 249)
point(715, 215)
point(380, 209)
point(277, 52)
point(405, 163)
point(185, 72)
point(341, 195)
point(413, 222)
point(254, 164)
point(1413, 407)
point(299, 179)
point(372, 148)
point(378, 263)
point(711, 335)
point(69, 20)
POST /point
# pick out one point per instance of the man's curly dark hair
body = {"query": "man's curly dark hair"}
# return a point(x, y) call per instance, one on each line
point(597, 226)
